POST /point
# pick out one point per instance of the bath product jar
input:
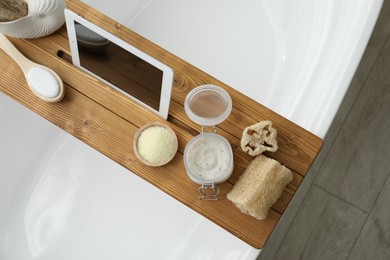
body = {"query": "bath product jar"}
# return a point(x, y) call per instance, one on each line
point(208, 157)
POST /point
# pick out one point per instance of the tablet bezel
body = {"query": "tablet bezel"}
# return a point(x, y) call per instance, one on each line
point(167, 78)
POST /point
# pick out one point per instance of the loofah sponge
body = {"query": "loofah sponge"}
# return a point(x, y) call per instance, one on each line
point(259, 138)
point(260, 186)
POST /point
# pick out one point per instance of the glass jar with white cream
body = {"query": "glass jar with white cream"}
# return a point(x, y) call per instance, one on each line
point(208, 157)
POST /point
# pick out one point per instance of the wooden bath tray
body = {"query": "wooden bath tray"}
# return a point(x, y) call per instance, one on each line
point(107, 121)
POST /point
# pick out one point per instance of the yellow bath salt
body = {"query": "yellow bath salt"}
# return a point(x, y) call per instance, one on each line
point(155, 144)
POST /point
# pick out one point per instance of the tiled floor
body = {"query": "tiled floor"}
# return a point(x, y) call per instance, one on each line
point(342, 210)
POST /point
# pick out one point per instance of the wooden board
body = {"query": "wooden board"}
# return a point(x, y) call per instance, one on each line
point(108, 120)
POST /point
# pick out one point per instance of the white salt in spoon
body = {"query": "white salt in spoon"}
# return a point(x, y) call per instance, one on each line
point(43, 82)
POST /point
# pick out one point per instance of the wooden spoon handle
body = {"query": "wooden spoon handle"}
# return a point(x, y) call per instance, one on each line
point(7, 46)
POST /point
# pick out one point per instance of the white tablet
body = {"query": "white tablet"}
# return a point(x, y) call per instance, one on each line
point(119, 64)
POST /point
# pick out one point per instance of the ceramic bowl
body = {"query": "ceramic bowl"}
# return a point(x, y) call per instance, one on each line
point(44, 17)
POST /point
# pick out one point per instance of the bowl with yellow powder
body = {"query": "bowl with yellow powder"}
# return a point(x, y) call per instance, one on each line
point(155, 144)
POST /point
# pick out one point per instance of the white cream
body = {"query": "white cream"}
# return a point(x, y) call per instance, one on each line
point(208, 157)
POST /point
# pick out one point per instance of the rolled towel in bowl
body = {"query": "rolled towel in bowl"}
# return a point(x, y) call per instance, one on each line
point(260, 186)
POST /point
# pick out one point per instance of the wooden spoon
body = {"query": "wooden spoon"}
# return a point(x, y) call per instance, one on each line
point(43, 82)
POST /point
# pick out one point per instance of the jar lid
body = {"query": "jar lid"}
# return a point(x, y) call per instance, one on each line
point(208, 105)
point(208, 158)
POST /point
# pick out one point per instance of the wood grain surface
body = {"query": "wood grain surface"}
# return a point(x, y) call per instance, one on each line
point(107, 120)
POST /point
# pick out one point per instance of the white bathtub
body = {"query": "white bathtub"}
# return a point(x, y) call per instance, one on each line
point(295, 57)
point(60, 199)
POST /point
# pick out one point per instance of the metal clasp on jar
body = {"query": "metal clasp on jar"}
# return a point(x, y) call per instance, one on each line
point(208, 191)
point(214, 129)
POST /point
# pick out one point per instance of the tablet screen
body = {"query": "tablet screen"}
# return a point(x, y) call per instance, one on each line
point(120, 65)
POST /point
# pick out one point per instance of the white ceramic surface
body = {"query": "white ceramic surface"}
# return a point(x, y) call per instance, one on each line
point(61, 199)
point(295, 57)
point(44, 17)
